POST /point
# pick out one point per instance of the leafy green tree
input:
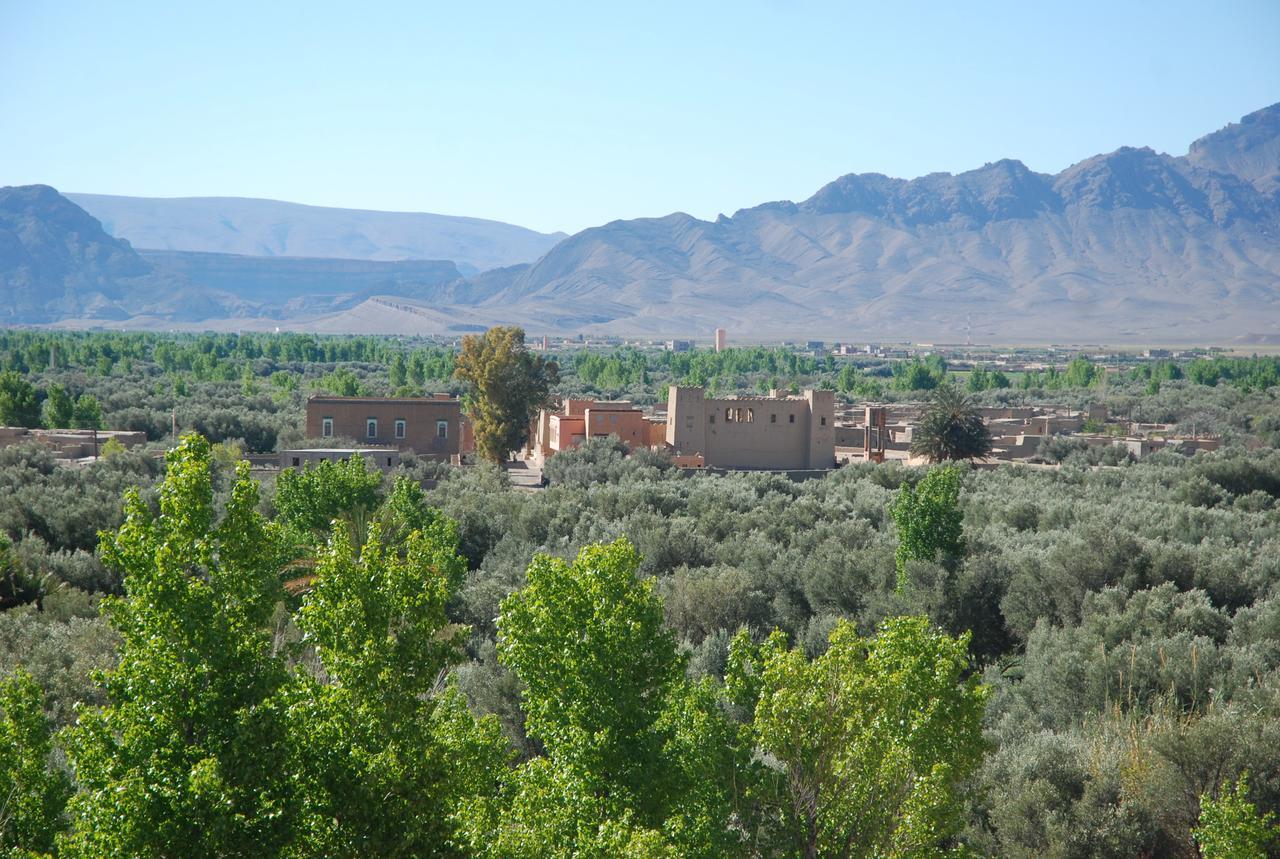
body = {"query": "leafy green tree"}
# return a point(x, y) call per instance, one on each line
point(1231, 827)
point(19, 405)
point(950, 428)
point(398, 371)
point(187, 758)
point(86, 413)
point(871, 741)
point(386, 755)
point(1082, 373)
point(309, 499)
point(637, 759)
point(58, 408)
point(929, 520)
point(33, 790)
point(509, 384)
point(343, 383)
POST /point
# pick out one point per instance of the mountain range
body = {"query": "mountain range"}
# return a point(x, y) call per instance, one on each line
point(1131, 246)
point(249, 227)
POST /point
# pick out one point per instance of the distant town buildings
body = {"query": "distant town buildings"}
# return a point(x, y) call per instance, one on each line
point(678, 345)
point(774, 432)
point(431, 427)
point(721, 336)
point(72, 444)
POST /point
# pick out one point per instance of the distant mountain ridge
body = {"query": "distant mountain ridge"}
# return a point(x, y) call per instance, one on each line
point(253, 227)
point(58, 264)
point(1129, 246)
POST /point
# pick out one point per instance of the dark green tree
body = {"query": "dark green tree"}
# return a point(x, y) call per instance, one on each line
point(19, 405)
point(86, 413)
point(58, 408)
point(509, 384)
point(950, 428)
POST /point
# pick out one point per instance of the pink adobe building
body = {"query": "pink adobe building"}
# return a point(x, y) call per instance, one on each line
point(578, 420)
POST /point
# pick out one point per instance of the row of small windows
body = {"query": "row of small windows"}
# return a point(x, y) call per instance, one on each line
point(749, 416)
point(371, 428)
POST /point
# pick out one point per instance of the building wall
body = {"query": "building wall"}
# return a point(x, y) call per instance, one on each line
point(420, 415)
point(579, 420)
point(384, 460)
point(753, 432)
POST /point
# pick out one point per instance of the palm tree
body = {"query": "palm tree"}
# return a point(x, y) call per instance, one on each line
point(950, 428)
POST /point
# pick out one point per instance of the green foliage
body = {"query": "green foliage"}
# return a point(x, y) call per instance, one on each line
point(637, 758)
point(309, 499)
point(920, 375)
point(19, 406)
point(58, 408)
point(871, 740)
point(950, 428)
point(509, 384)
point(86, 413)
point(983, 379)
point(343, 383)
point(1231, 827)
point(929, 520)
point(33, 790)
point(383, 756)
point(186, 756)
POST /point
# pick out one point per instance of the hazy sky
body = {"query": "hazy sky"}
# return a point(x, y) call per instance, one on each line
point(571, 115)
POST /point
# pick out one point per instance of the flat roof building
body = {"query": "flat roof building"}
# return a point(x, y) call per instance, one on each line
point(783, 433)
point(432, 427)
point(577, 420)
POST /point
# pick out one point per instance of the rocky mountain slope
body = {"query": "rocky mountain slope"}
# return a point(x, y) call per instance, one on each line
point(250, 227)
point(1132, 245)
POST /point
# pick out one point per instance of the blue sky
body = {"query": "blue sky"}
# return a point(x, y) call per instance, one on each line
point(571, 115)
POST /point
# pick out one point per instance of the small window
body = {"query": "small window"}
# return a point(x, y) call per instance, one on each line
point(711, 419)
point(326, 427)
point(773, 419)
point(442, 429)
point(297, 461)
point(728, 415)
point(400, 429)
point(371, 428)
point(791, 419)
point(613, 419)
point(824, 420)
point(751, 415)
point(388, 462)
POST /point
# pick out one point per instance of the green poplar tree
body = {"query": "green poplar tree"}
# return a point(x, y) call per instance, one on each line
point(638, 760)
point(33, 790)
point(929, 520)
point(187, 757)
point(385, 751)
point(870, 742)
point(58, 408)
